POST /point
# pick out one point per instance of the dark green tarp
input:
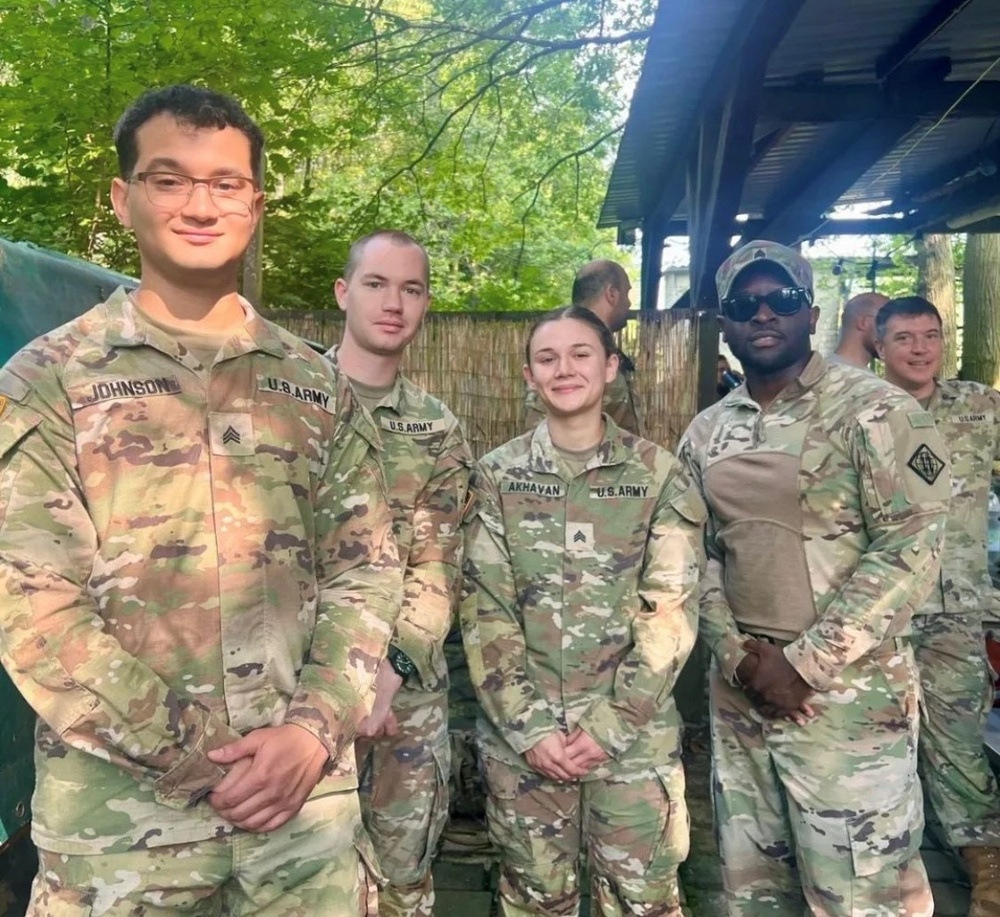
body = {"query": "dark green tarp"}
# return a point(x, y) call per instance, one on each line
point(39, 290)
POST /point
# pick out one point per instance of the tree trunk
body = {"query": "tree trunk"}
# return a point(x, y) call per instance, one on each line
point(981, 282)
point(936, 282)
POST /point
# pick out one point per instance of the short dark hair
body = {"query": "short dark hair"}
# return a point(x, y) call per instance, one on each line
point(593, 277)
point(905, 305)
point(581, 314)
point(397, 237)
point(194, 106)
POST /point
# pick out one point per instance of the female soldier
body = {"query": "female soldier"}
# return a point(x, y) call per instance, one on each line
point(584, 556)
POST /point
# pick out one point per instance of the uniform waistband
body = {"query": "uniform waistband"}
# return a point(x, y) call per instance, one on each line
point(891, 644)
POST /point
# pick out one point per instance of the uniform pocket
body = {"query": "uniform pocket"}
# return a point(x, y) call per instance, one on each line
point(675, 838)
point(886, 838)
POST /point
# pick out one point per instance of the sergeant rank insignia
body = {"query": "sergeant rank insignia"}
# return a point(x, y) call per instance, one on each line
point(926, 464)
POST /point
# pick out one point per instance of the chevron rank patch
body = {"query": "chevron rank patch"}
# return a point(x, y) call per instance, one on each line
point(231, 434)
point(579, 537)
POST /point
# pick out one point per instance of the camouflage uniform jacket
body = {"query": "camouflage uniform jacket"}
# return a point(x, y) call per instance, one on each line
point(427, 463)
point(621, 401)
point(584, 597)
point(968, 418)
point(182, 562)
point(826, 514)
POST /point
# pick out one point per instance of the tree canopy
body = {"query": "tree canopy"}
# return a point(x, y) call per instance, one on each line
point(484, 127)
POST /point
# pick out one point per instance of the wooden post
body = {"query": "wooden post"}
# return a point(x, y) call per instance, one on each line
point(252, 286)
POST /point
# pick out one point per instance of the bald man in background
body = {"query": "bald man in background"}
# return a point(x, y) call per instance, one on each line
point(856, 346)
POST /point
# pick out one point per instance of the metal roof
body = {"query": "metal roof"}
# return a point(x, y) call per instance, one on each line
point(847, 102)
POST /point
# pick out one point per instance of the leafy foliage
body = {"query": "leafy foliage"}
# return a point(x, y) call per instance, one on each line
point(484, 127)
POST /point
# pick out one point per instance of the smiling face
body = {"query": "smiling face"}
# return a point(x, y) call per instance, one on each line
point(385, 297)
point(192, 239)
point(568, 368)
point(911, 348)
point(768, 344)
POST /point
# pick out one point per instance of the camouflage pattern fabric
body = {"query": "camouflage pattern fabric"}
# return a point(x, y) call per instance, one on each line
point(405, 789)
point(948, 629)
point(182, 563)
point(826, 515)
point(634, 828)
point(309, 866)
point(580, 609)
point(957, 698)
point(404, 802)
point(825, 818)
point(621, 402)
point(967, 415)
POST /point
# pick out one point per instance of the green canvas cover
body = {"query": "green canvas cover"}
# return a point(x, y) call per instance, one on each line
point(39, 290)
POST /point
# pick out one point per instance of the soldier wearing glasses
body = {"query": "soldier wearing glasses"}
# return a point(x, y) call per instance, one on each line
point(827, 492)
point(196, 560)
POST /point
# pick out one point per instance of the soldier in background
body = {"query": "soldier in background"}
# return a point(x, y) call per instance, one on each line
point(403, 748)
point(197, 563)
point(580, 610)
point(827, 492)
point(856, 346)
point(602, 287)
point(948, 627)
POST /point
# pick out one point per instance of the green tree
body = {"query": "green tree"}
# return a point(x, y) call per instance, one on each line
point(491, 142)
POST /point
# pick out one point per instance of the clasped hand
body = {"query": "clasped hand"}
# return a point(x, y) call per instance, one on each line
point(271, 772)
point(566, 757)
point(773, 685)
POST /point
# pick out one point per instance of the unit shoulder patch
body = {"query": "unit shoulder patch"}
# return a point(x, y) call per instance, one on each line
point(926, 464)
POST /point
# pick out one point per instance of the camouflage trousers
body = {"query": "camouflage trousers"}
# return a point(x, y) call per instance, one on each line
point(826, 818)
point(308, 867)
point(957, 697)
point(404, 801)
point(634, 828)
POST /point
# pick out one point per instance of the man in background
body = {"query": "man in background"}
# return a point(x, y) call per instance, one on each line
point(603, 287)
point(948, 627)
point(403, 748)
point(856, 346)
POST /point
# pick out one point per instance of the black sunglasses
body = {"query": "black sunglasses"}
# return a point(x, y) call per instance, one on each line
point(786, 301)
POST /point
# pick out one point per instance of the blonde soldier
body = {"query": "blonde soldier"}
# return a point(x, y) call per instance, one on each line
point(602, 287)
point(948, 627)
point(580, 611)
point(196, 560)
point(403, 752)
point(827, 492)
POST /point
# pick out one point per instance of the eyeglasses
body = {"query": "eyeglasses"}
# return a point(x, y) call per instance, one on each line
point(172, 189)
point(786, 301)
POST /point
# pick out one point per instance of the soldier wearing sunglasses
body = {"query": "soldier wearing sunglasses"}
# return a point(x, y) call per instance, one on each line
point(827, 494)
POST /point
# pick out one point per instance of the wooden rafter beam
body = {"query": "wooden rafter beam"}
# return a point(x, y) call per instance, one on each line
point(922, 31)
point(800, 205)
point(866, 102)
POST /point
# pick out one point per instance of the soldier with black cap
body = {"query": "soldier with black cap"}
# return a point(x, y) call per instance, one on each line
point(827, 493)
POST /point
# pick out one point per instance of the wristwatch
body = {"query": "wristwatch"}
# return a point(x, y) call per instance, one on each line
point(401, 664)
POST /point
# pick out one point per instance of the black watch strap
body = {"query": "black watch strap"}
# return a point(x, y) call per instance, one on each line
point(401, 664)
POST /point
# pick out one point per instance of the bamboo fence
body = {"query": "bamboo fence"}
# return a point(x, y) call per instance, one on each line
point(473, 363)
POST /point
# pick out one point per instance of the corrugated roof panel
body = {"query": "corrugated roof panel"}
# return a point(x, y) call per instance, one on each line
point(838, 42)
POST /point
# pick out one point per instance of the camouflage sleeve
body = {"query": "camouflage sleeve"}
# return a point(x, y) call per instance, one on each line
point(531, 411)
point(433, 566)
point(360, 582)
point(716, 622)
point(97, 697)
point(664, 628)
point(621, 402)
point(492, 628)
point(904, 484)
